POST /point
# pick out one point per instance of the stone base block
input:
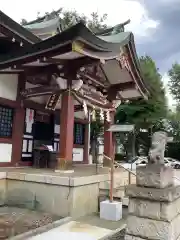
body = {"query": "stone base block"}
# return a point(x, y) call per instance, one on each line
point(168, 194)
point(162, 211)
point(152, 229)
point(156, 176)
point(111, 210)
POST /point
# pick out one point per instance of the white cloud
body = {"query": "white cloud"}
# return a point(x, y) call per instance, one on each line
point(117, 10)
point(140, 24)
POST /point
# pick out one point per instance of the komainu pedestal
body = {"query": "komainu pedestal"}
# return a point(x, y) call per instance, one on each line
point(154, 205)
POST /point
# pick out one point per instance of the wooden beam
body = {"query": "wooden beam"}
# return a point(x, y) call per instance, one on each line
point(114, 89)
point(93, 79)
point(31, 71)
point(28, 58)
point(102, 70)
point(42, 80)
point(78, 108)
point(39, 106)
point(39, 91)
point(53, 61)
point(10, 72)
point(7, 32)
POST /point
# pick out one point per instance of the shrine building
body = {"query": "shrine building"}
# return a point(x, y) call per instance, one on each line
point(53, 82)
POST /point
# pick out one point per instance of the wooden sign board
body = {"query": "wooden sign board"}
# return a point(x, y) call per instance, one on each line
point(52, 101)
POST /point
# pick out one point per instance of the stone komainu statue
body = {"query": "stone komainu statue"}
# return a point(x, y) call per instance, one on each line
point(158, 145)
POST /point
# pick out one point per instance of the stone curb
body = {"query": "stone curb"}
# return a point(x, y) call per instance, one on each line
point(111, 234)
point(42, 229)
point(70, 181)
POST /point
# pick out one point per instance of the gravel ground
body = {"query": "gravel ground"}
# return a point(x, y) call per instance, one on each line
point(14, 221)
point(118, 236)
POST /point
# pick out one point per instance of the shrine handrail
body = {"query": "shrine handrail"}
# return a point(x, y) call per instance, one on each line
point(113, 162)
point(128, 170)
point(119, 165)
point(133, 173)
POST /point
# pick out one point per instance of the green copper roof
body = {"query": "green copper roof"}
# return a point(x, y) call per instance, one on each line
point(46, 24)
point(122, 37)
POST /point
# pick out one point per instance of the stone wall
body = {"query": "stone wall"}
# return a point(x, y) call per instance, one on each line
point(2, 191)
point(59, 200)
point(62, 196)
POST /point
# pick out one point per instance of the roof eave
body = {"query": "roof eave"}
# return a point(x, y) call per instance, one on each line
point(17, 29)
point(142, 84)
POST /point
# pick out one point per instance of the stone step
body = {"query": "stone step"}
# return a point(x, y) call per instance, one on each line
point(118, 193)
point(125, 201)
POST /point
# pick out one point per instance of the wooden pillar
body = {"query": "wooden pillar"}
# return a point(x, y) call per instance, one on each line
point(86, 144)
point(67, 132)
point(108, 141)
point(17, 136)
point(18, 124)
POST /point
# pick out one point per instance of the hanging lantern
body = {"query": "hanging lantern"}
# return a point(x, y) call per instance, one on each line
point(116, 103)
point(93, 114)
point(61, 82)
point(108, 118)
point(85, 108)
point(101, 115)
point(77, 84)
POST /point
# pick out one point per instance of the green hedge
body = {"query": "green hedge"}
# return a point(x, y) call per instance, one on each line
point(120, 157)
point(173, 150)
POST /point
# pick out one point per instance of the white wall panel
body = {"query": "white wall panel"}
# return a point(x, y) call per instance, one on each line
point(78, 154)
point(8, 86)
point(5, 152)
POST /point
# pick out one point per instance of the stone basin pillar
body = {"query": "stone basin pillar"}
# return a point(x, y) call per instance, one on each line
point(154, 205)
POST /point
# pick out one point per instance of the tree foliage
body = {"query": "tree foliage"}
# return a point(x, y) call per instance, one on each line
point(68, 18)
point(174, 83)
point(174, 122)
point(95, 23)
point(174, 87)
point(146, 112)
